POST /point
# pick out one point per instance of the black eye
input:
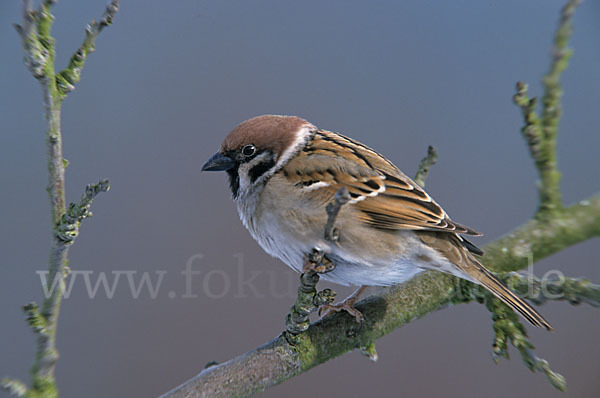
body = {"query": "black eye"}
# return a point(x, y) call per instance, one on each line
point(248, 150)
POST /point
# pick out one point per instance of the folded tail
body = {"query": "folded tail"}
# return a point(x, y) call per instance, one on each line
point(459, 252)
point(480, 274)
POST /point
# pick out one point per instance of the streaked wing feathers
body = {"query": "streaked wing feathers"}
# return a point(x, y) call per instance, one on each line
point(387, 199)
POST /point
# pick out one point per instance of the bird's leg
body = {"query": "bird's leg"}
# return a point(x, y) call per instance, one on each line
point(346, 305)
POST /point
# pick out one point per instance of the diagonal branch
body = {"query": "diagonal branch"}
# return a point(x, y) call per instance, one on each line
point(278, 361)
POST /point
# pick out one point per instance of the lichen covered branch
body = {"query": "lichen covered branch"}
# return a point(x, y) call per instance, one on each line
point(507, 325)
point(44, 322)
point(561, 55)
point(278, 360)
point(341, 198)
point(66, 79)
point(429, 160)
point(308, 299)
point(68, 226)
point(541, 132)
point(307, 302)
point(15, 388)
point(573, 290)
point(532, 131)
point(39, 50)
point(508, 328)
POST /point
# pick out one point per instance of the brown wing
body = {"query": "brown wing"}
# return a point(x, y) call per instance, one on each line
point(387, 199)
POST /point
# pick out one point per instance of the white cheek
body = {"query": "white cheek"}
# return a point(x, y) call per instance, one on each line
point(243, 173)
point(246, 184)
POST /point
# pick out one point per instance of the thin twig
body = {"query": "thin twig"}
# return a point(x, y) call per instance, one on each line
point(429, 160)
point(341, 198)
point(68, 226)
point(307, 302)
point(509, 328)
point(39, 49)
point(66, 79)
point(15, 388)
point(540, 133)
point(507, 325)
point(532, 131)
point(308, 299)
point(574, 290)
point(561, 55)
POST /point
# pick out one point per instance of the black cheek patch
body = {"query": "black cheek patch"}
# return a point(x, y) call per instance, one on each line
point(257, 171)
point(234, 182)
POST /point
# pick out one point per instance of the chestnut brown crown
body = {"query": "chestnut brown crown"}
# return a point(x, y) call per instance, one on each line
point(267, 132)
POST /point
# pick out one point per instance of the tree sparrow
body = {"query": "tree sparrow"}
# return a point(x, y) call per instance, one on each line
point(283, 171)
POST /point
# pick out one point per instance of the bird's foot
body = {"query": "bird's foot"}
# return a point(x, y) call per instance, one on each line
point(346, 305)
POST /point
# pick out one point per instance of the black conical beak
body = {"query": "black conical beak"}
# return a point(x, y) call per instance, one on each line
point(219, 162)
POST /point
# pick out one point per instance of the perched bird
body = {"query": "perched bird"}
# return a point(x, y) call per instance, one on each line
point(283, 171)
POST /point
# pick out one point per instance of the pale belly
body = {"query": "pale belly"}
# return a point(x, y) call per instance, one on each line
point(363, 255)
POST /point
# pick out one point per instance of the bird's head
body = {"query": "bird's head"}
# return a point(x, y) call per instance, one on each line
point(258, 148)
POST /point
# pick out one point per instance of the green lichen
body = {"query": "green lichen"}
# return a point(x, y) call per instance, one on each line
point(39, 49)
point(43, 387)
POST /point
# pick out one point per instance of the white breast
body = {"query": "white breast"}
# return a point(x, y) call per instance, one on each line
point(270, 225)
point(289, 231)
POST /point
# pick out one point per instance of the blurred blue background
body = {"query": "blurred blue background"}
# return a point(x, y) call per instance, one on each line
point(170, 79)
